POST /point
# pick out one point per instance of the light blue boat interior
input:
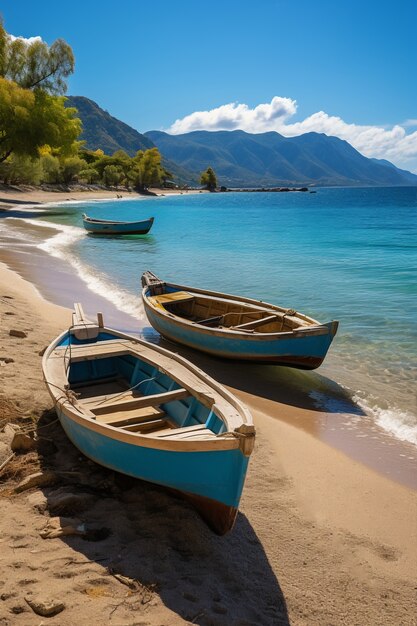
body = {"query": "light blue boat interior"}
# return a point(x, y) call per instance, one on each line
point(133, 373)
point(214, 473)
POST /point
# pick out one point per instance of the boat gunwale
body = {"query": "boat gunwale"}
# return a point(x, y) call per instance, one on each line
point(93, 220)
point(316, 327)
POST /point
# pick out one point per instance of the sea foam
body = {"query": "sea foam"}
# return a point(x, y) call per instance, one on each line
point(59, 246)
point(399, 423)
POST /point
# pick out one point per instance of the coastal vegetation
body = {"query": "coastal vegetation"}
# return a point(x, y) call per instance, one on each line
point(208, 179)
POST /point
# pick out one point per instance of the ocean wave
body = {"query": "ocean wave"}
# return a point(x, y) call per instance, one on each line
point(399, 423)
point(58, 246)
point(402, 424)
point(9, 228)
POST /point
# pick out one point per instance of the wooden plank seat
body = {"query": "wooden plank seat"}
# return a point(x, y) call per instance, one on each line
point(210, 321)
point(139, 402)
point(202, 433)
point(196, 428)
point(170, 298)
point(127, 417)
point(143, 420)
point(256, 323)
point(147, 427)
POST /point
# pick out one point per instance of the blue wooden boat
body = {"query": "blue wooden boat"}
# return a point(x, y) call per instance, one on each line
point(109, 227)
point(141, 410)
point(235, 327)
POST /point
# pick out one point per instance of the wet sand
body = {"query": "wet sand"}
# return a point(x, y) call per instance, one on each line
point(321, 538)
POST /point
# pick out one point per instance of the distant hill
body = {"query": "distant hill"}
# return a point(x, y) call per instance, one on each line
point(408, 175)
point(101, 130)
point(242, 159)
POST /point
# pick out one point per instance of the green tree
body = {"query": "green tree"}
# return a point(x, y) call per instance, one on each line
point(208, 179)
point(28, 120)
point(111, 175)
point(90, 175)
point(147, 170)
point(21, 170)
point(50, 168)
point(35, 64)
point(70, 168)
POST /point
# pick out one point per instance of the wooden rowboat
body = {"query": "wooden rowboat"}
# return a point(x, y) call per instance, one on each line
point(235, 327)
point(109, 227)
point(143, 411)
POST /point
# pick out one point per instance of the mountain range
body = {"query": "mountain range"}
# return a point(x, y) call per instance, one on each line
point(243, 159)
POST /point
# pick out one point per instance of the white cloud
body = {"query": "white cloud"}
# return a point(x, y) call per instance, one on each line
point(380, 142)
point(28, 41)
point(231, 116)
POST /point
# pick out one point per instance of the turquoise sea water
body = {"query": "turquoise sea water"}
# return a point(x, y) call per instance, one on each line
point(346, 254)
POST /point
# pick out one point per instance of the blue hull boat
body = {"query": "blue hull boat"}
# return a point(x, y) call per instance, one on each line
point(235, 327)
point(109, 227)
point(143, 411)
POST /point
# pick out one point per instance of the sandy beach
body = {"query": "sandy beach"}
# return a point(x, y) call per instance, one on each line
point(321, 538)
point(13, 197)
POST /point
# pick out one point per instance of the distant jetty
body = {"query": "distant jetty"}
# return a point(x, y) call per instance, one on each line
point(266, 189)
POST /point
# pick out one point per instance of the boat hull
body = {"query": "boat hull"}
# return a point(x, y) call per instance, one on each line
point(293, 349)
point(212, 480)
point(122, 228)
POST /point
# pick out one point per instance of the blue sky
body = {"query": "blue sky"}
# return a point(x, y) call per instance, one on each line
point(345, 68)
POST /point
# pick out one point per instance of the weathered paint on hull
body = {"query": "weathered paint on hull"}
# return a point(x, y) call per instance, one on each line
point(301, 351)
point(215, 475)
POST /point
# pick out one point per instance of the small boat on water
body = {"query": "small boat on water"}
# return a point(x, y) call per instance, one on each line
point(235, 327)
point(109, 227)
point(146, 412)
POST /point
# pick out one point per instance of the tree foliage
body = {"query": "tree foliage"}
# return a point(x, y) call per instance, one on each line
point(208, 179)
point(31, 72)
point(35, 64)
point(28, 120)
point(147, 169)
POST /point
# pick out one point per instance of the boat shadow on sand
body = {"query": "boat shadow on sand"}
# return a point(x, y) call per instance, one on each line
point(293, 387)
point(149, 543)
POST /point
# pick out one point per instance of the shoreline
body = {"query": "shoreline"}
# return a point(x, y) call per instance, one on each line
point(319, 526)
point(284, 392)
point(29, 198)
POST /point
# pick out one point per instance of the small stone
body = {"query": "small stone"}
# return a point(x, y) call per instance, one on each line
point(9, 433)
point(68, 503)
point(44, 607)
point(6, 359)
point(38, 501)
point(6, 596)
point(24, 442)
point(40, 479)
point(17, 333)
point(17, 609)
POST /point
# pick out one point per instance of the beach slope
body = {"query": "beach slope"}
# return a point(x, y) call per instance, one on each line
point(320, 538)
